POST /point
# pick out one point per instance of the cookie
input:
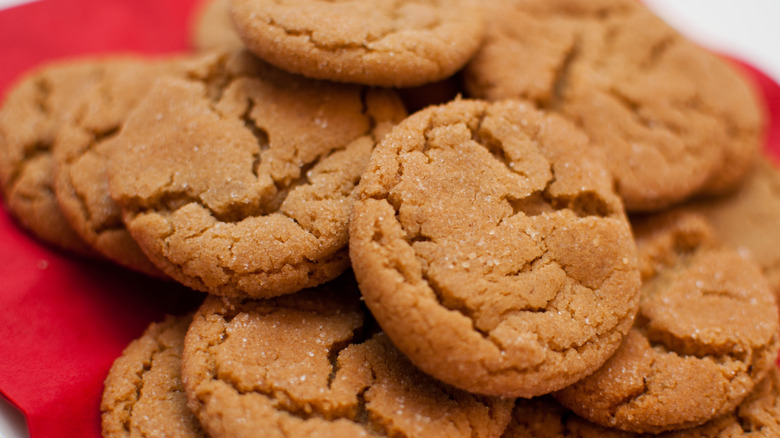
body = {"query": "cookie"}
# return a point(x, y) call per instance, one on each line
point(34, 111)
point(383, 43)
point(212, 27)
point(81, 152)
point(706, 334)
point(748, 219)
point(241, 184)
point(492, 250)
point(309, 364)
point(674, 119)
point(757, 416)
point(143, 393)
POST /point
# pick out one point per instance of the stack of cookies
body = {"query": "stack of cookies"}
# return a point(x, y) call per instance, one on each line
point(531, 218)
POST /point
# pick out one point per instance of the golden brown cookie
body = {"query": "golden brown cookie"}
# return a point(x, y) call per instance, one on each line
point(143, 393)
point(748, 219)
point(674, 119)
point(212, 27)
point(757, 417)
point(242, 183)
point(491, 248)
point(308, 364)
point(706, 334)
point(384, 43)
point(81, 153)
point(32, 115)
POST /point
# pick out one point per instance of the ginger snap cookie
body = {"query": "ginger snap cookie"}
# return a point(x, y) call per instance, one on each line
point(309, 364)
point(383, 43)
point(705, 335)
point(748, 218)
point(674, 119)
point(492, 250)
point(81, 153)
point(143, 393)
point(31, 117)
point(212, 27)
point(758, 417)
point(241, 183)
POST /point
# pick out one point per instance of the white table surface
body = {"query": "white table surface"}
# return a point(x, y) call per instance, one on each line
point(747, 29)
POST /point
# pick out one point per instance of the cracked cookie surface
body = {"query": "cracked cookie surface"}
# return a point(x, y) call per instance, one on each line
point(706, 333)
point(492, 250)
point(675, 120)
point(309, 364)
point(32, 115)
point(82, 149)
point(241, 183)
point(748, 218)
point(390, 43)
point(144, 395)
point(758, 416)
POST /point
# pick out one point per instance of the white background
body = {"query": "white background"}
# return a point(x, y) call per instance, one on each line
point(8, 3)
point(747, 29)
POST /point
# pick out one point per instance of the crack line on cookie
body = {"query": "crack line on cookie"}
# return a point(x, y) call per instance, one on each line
point(43, 92)
point(599, 210)
point(215, 81)
point(628, 402)
point(147, 366)
point(726, 355)
point(31, 152)
point(655, 56)
point(658, 50)
point(554, 351)
point(96, 138)
point(366, 47)
point(635, 109)
point(287, 403)
point(692, 105)
point(451, 302)
point(259, 133)
point(235, 276)
point(175, 200)
point(563, 77)
point(669, 343)
point(585, 203)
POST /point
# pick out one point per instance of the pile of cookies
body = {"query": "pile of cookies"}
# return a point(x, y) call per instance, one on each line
point(526, 218)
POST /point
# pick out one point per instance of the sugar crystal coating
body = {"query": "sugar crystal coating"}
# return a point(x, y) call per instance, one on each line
point(492, 250)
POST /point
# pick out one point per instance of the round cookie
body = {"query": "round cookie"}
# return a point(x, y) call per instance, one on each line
point(143, 393)
point(308, 364)
point(34, 111)
point(491, 248)
point(241, 183)
point(384, 43)
point(81, 153)
point(706, 334)
point(748, 219)
point(212, 27)
point(757, 417)
point(674, 119)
